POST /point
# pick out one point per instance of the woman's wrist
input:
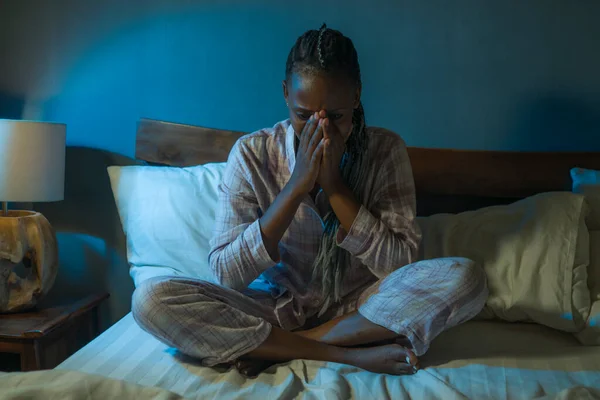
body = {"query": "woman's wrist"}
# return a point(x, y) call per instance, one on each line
point(333, 186)
point(295, 191)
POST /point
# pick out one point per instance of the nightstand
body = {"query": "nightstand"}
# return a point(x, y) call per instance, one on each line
point(44, 337)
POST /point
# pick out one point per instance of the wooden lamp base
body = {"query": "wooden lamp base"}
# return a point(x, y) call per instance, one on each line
point(27, 239)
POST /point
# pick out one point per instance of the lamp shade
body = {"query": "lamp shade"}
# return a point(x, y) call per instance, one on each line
point(32, 161)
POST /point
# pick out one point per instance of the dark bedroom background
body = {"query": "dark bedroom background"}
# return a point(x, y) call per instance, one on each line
point(467, 74)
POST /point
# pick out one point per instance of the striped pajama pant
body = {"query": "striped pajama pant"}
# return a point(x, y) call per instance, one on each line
point(216, 324)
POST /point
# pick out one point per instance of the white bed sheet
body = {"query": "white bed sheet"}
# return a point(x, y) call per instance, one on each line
point(478, 360)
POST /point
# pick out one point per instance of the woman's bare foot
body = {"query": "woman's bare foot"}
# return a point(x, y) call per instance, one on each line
point(282, 346)
point(251, 368)
point(390, 359)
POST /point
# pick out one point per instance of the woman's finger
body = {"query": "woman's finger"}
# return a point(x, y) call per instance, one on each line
point(316, 138)
point(328, 154)
point(317, 156)
point(335, 142)
point(326, 134)
point(307, 131)
point(303, 140)
point(334, 133)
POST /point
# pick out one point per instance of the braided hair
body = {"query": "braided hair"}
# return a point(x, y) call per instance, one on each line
point(329, 51)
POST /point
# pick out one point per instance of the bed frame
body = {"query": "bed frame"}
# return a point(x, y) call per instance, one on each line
point(446, 180)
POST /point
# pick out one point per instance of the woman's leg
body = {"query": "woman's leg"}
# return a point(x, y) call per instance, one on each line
point(203, 320)
point(218, 325)
point(282, 345)
point(411, 306)
point(348, 330)
point(417, 301)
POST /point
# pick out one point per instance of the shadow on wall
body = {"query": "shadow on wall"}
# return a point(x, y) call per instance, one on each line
point(92, 250)
point(558, 122)
point(11, 107)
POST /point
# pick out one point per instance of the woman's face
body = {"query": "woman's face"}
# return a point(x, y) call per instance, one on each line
point(307, 93)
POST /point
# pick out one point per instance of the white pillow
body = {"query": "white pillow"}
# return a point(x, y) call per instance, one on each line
point(167, 215)
point(587, 182)
point(591, 333)
point(535, 253)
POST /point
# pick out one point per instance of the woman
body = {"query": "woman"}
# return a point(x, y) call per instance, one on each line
point(315, 241)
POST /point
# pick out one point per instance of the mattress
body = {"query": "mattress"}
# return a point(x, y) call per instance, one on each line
point(477, 360)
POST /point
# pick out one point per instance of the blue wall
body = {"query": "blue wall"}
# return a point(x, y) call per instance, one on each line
point(467, 74)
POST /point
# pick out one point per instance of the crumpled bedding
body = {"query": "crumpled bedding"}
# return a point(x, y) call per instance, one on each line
point(73, 385)
point(476, 360)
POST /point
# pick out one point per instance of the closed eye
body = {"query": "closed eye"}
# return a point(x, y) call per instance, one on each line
point(334, 117)
point(303, 116)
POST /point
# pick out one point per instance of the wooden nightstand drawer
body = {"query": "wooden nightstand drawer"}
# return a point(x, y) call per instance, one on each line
point(43, 338)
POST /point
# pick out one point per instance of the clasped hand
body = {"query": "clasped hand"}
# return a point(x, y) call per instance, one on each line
point(319, 154)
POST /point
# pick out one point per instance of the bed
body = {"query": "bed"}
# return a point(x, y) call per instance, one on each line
point(477, 360)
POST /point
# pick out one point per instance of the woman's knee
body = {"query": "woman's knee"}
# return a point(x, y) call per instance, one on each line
point(465, 270)
point(149, 299)
point(470, 279)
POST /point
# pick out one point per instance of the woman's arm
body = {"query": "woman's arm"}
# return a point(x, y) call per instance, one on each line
point(341, 198)
point(306, 169)
point(245, 243)
point(238, 253)
point(386, 236)
point(278, 218)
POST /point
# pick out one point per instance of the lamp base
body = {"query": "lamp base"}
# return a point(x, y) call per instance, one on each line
point(27, 239)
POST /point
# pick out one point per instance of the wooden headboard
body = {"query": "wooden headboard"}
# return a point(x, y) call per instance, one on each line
point(446, 180)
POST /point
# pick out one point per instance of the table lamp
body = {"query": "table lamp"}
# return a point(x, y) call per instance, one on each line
point(32, 169)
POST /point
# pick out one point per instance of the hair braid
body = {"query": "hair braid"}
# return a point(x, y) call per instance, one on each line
point(321, 31)
point(329, 51)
